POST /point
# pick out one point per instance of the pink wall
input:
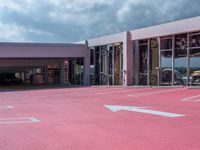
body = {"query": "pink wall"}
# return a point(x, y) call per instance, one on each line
point(35, 50)
point(176, 27)
point(13, 51)
point(114, 38)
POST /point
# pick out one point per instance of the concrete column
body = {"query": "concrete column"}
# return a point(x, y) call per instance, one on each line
point(127, 59)
point(86, 61)
point(136, 64)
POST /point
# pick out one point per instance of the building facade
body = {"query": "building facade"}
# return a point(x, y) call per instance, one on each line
point(44, 64)
point(162, 55)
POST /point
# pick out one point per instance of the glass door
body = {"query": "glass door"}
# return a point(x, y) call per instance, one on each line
point(143, 62)
point(105, 65)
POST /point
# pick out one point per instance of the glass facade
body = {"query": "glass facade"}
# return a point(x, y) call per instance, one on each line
point(180, 60)
point(106, 64)
point(194, 59)
point(143, 62)
point(76, 71)
point(153, 62)
point(167, 61)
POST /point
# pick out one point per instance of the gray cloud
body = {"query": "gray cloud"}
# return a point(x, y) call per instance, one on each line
point(68, 21)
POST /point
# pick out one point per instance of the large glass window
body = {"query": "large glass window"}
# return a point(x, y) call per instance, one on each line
point(166, 61)
point(53, 74)
point(154, 61)
point(166, 68)
point(166, 43)
point(194, 60)
point(106, 64)
point(143, 62)
point(180, 60)
point(117, 64)
point(195, 40)
point(173, 60)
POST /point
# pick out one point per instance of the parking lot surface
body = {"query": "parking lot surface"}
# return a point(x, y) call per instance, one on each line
point(100, 118)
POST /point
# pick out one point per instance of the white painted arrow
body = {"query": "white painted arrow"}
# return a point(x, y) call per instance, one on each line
point(143, 110)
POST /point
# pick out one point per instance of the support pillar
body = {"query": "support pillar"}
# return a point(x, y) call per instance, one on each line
point(86, 62)
point(127, 59)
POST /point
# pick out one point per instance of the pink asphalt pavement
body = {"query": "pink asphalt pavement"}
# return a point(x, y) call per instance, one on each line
point(77, 119)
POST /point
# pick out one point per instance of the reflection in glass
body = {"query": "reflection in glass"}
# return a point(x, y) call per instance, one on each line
point(154, 61)
point(166, 43)
point(195, 40)
point(117, 65)
point(166, 68)
point(180, 60)
point(195, 67)
point(143, 66)
point(106, 64)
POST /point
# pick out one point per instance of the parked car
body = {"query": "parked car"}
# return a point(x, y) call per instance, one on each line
point(196, 77)
point(166, 77)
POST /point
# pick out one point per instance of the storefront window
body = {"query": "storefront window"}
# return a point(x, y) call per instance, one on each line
point(106, 64)
point(194, 40)
point(180, 60)
point(76, 71)
point(166, 61)
point(166, 68)
point(154, 61)
point(143, 62)
point(53, 74)
point(194, 60)
point(166, 43)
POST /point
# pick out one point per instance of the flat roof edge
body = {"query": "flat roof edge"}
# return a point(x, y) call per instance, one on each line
point(42, 44)
point(164, 29)
point(108, 39)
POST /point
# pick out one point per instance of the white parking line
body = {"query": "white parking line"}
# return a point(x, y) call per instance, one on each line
point(98, 90)
point(116, 91)
point(154, 92)
point(18, 120)
point(6, 107)
point(191, 99)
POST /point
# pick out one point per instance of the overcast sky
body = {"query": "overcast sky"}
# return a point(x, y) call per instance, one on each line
point(76, 20)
